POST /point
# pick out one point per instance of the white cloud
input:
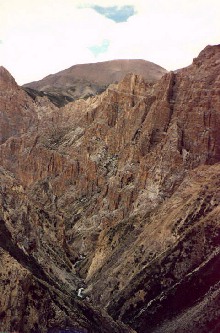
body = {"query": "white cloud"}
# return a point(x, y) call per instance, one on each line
point(37, 44)
point(40, 37)
point(169, 33)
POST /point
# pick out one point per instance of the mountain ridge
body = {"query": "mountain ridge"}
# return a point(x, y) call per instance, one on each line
point(85, 80)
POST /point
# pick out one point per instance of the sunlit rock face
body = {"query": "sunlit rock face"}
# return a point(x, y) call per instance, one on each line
point(119, 195)
point(16, 108)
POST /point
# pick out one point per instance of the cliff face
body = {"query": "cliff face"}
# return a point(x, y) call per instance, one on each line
point(118, 194)
point(17, 109)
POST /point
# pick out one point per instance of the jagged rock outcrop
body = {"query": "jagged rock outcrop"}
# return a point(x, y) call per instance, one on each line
point(83, 81)
point(17, 109)
point(118, 194)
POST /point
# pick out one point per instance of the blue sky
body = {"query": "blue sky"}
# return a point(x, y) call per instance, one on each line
point(41, 37)
point(115, 13)
point(100, 48)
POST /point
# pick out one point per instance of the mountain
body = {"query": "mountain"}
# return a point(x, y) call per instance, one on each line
point(83, 81)
point(117, 194)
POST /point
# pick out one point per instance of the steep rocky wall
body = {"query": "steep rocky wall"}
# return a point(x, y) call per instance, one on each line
point(37, 278)
point(17, 110)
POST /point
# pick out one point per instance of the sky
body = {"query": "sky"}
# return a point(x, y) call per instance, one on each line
point(41, 37)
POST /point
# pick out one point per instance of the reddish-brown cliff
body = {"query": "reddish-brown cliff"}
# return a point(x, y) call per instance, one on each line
point(17, 109)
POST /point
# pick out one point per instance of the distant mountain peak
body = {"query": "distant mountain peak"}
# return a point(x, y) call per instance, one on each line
point(85, 80)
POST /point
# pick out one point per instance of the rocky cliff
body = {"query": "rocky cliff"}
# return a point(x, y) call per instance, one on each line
point(117, 194)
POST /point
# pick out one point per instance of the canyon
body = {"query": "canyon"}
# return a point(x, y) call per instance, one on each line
point(118, 194)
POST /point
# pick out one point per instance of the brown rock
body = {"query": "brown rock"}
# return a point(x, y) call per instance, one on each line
point(17, 109)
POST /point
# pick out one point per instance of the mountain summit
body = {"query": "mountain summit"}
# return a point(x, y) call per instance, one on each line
point(89, 79)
